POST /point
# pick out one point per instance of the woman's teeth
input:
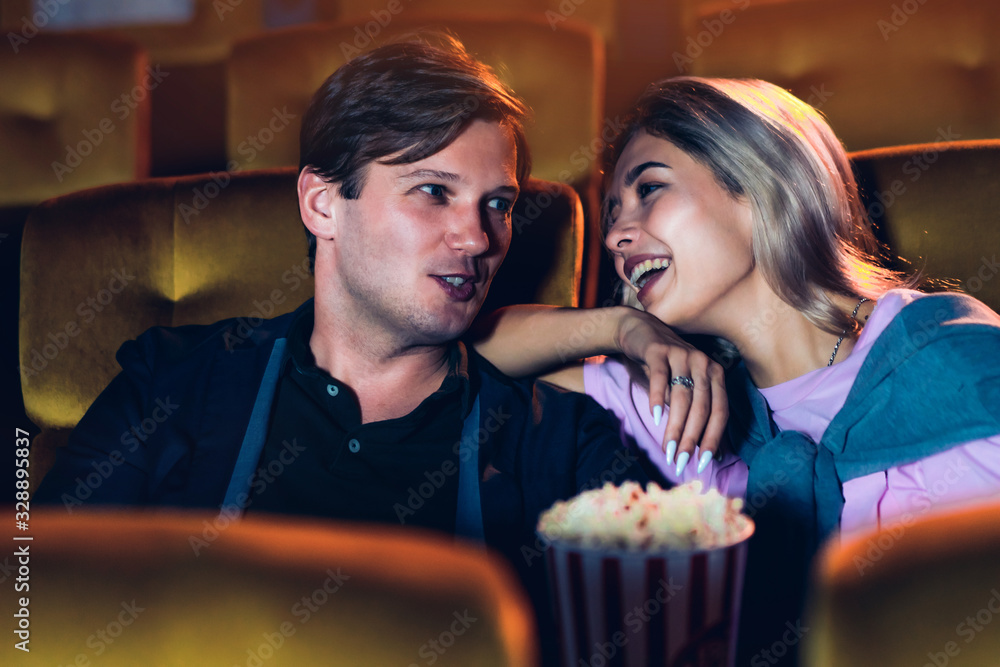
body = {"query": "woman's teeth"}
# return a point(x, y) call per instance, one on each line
point(455, 280)
point(643, 271)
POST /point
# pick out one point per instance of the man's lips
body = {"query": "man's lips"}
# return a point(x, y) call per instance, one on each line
point(459, 286)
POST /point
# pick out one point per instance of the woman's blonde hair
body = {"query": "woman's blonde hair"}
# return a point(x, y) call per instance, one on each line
point(811, 237)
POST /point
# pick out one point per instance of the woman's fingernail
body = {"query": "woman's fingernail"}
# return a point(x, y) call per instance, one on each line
point(671, 450)
point(682, 461)
point(657, 414)
point(703, 461)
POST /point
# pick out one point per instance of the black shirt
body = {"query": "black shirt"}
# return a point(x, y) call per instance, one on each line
point(319, 459)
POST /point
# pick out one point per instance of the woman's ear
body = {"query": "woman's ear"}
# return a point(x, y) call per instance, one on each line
point(317, 204)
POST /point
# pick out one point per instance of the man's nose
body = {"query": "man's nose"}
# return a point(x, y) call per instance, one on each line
point(467, 232)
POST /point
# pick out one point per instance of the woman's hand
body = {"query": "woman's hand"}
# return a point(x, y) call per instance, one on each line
point(695, 413)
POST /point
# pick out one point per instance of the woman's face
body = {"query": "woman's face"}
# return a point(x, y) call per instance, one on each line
point(680, 239)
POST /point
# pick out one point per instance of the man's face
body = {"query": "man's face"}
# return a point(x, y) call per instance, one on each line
point(413, 256)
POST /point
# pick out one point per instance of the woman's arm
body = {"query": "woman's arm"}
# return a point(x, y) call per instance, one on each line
point(526, 340)
point(531, 339)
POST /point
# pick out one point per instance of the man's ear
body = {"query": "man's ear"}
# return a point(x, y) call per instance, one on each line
point(317, 200)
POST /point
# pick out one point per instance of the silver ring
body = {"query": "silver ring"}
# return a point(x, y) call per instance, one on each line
point(683, 381)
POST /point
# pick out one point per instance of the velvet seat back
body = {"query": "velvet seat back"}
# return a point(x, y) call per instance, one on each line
point(884, 73)
point(74, 113)
point(922, 592)
point(937, 206)
point(189, 107)
point(122, 588)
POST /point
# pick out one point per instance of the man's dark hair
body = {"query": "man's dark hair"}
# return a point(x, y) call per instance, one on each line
point(410, 99)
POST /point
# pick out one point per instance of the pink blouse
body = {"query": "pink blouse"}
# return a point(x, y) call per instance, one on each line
point(962, 475)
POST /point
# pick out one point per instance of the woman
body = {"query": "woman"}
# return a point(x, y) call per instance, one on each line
point(732, 211)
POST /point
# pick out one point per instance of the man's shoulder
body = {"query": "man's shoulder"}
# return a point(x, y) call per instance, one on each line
point(530, 390)
point(170, 344)
point(548, 423)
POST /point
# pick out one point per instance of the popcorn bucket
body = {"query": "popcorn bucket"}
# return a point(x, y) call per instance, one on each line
point(642, 609)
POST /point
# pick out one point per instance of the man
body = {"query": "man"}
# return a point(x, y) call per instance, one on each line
point(363, 404)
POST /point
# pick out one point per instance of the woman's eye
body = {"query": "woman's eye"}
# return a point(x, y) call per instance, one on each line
point(645, 189)
point(500, 204)
point(433, 190)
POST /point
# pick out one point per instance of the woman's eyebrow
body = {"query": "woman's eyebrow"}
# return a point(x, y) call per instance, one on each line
point(634, 172)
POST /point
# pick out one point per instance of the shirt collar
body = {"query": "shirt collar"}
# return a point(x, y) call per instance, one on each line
point(302, 360)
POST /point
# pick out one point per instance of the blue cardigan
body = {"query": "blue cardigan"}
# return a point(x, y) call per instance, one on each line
point(931, 381)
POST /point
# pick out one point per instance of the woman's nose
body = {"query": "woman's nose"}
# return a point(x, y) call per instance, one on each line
point(621, 234)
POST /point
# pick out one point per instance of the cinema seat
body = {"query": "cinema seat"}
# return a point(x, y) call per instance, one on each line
point(63, 126)
point(101, 266)
point(885, 74)
point(69, 118)
point(189, 107)
point(126, 588)
point(925, 592)
point(937, 206)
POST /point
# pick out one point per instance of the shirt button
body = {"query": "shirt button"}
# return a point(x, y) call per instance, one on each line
point(354, 446)
point(332, 389)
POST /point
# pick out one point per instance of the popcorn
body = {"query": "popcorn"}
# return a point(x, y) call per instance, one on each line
point(678, 556)
point(626, 517)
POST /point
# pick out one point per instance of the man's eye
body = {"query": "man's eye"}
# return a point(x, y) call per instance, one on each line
point(433, 190)
point(500, 204)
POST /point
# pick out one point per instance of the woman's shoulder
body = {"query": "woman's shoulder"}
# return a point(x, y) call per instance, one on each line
point(606, 370)
point(606, 380)
point(947, 337)
point(942, 304)
point(925, 317)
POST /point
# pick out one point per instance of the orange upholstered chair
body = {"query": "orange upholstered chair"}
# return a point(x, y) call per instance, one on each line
point(123, 588)
point(188, 111)
point(73, 114)
point(188, 96)
point(884, 74)
point(101, 266)
point(925, 592)
point(937, 206)
point(69, 116)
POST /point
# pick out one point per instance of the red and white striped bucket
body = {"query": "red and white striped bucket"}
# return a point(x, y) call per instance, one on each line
point(617, 608)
